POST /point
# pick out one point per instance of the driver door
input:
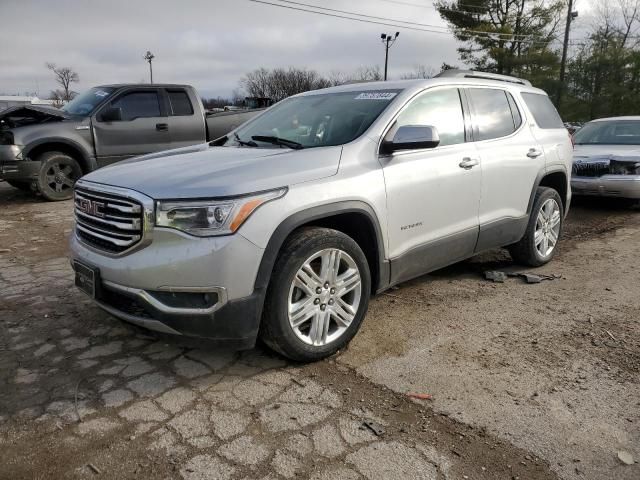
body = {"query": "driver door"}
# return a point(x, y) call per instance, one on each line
point(144, 127)
point(433, 195)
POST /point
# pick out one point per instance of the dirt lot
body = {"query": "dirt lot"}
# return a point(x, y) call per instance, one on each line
point(528, 381)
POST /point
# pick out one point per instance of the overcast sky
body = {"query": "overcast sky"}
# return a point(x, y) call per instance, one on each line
point(207, 43)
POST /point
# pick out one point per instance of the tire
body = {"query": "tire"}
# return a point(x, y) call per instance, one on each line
point(312, 298)
point(530, 250)
point(57, 176)
point(24, 186)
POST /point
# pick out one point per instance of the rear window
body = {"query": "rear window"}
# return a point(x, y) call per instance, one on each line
point(543, 111)
point(180, 103)
point(493, 113)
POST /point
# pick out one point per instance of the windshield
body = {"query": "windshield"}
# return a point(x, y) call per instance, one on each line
point(315, 120)
point(87, 101)
point(614, 132)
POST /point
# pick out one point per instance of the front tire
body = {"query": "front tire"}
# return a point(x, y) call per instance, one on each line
point(540, 241)
point(58, 174)
point(318, 295)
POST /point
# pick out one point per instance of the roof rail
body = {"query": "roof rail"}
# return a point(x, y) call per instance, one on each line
point(483, 75)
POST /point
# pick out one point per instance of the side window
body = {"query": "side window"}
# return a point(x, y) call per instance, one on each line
point(180, 103)
point(439, 108)
point(138, 105)
point(543, 110)
point(493, 113)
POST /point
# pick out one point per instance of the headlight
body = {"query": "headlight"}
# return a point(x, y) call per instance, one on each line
point(205, 218)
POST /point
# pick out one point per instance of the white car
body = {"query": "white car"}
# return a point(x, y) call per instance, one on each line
point(606, 158)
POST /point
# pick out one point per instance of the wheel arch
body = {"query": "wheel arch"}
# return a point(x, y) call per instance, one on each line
point(64, 145)
point(556, 179)
point(354, 218)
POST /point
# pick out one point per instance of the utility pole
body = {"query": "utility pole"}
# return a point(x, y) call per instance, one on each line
point(563, 64)
point(149, 58)
point(387, 41)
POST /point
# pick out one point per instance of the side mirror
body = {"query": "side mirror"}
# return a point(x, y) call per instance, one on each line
point(111, 114)
point(412, 137)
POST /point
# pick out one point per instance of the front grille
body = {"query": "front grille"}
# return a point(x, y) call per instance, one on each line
point(107, 222)
point(591, 169)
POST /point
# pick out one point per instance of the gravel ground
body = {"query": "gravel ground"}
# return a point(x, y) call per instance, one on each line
point(528, 381)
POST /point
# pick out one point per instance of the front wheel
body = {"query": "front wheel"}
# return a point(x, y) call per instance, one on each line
point(540, 241)
point(318, 295)
point(58, 173)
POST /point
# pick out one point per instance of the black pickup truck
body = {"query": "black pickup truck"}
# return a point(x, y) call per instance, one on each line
point(45, 149)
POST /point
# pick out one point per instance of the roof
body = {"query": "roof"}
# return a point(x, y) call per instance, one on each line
point(15, 98)
point(421, 84)
point(162, 85)
point(628, 117)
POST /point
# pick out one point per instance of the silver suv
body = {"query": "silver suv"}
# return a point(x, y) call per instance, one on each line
point(284, 228)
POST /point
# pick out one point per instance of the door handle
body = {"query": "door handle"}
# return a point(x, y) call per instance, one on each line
point(534, 153)
point(468, 163)
point(162, 127)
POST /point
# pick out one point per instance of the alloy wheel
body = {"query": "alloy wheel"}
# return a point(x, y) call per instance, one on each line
point(547, 228)
point(60, 177)
point(324, 297)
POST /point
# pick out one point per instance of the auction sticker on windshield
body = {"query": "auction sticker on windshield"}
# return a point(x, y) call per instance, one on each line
point(376, 96)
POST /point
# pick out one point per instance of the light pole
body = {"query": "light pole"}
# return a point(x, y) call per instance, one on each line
point(571, 15)
point(387, 41)
point(149, 58)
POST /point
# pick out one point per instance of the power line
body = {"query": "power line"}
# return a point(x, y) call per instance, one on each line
point(399, 2)
point(385, 21)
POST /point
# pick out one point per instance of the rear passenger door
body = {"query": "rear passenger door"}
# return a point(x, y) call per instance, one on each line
point(142, 129)
point(511, 160)
point(185, 121)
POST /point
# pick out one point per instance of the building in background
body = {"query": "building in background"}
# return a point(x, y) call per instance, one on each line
point(7, 101)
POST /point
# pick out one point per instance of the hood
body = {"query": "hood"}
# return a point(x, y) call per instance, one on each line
point(30, 114)
point(203, 171)
point(585, 151)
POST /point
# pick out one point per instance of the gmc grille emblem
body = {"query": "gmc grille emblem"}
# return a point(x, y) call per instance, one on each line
point(91, 207)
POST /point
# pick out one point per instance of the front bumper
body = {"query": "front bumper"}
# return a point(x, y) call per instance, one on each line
point(14, 167)
point(153, 287)
point(621, 186)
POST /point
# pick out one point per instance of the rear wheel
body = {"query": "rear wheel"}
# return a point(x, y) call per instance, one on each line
point(58, 173)
point(318, 295)
point(24, 186)
point(540, 241)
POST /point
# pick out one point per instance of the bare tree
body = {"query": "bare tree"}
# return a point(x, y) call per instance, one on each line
point(420, 71)
point(65, 76)
point(58, 98)
point(367, 73)
point(281, 83)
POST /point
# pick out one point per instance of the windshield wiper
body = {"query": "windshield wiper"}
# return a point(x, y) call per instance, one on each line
point(278, 141)
point(242, 143)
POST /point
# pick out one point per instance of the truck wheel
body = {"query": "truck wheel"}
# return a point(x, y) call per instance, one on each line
point(540, 241)
point(57, 176)
point(24, 186)
point(318, 295)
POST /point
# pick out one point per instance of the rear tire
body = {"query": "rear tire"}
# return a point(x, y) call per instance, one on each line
point(540, 241)
point(58, 173)
point(24, 186)
point(310, 311)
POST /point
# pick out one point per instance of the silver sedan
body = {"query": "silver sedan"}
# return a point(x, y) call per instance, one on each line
point(606, 159)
